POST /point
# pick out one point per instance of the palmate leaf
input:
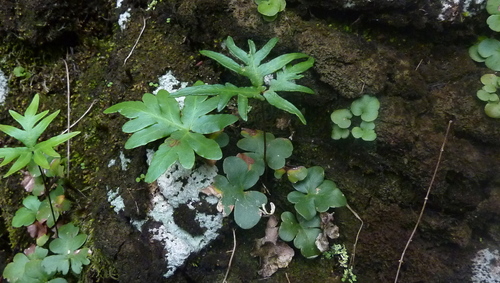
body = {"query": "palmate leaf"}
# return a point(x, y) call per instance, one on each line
point(160, 116)
point(314, 194)
point(303, 233)
point(67, 251)
point(234, 192)
point(33, 126)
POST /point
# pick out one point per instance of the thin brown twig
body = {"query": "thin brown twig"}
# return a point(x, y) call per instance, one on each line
point(231, 258)
point(136, 42)
point(425, 200)
point(353, 255)
point(68, 119)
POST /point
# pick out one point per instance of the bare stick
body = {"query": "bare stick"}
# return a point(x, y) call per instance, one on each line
point(81, 117)
point(68, 119)
point(136, 42)
point(353, 255)
point(416, 68)
point(231, 258)
point(425, 200)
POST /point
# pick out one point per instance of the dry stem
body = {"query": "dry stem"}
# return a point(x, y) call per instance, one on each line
point(231, 258)
point(425, 200)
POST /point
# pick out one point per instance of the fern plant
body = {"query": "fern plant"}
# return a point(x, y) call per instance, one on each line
point(33, 126)
point(42, 208)
point(160, 116)
point(267, 79)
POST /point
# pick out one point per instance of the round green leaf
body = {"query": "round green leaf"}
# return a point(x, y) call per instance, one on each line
point(339, 133)
point(270, 7)
point(367, 107)
point(493, 7)
point(289, 226)
point(474, 53)
point(492, 110)
point(297, 174)
point(342, 118)
point(488, 47)
point(493, 22)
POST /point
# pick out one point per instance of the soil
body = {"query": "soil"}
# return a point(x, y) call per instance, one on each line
point(417, 66)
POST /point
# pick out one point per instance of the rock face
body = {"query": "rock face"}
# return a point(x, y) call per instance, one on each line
point(411, 55)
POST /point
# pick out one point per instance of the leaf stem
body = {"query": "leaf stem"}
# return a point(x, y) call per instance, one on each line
point(48, 196)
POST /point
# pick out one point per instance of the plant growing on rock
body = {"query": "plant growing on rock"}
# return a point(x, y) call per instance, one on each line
point(190, 129)
point(269, 9)
point(160, 117)
point(366, 108)
point(487, 50)
point(42, 209)
point(267, 79)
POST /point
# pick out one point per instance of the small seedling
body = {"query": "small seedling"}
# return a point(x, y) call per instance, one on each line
point(365, 108)
point(21, 72)
point(269, 9)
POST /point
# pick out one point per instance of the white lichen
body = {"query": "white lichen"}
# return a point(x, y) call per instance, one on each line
point(111, 162)
point(115, 200)
point(124, 161)
point(182, 186)
point(486, 267)
point(170, 83)
point(177, 186)
point(4, 89)
point(123, 19)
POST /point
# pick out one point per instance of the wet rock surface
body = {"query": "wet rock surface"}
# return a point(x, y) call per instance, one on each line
point(400, 51)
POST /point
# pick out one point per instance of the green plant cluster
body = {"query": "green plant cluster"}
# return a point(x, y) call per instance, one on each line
point(191, 129)
point(365, 108)
point(42, 209)
point(488, 94)
point(267, 79)
point(487, 50)
point(184, 128)
point(312, 195)
point(269, 9)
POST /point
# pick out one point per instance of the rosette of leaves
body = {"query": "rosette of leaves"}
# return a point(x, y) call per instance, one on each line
point(159, 116)
point(269, 9)
point(315, 194)
point(33, 125)
point(302, 232)
point(28, 268)
point(275, 151)
point(488, 92)
point(365, 131)
point(493, 21)
point(283, 75)
point(366, 108)
point(235, 194)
